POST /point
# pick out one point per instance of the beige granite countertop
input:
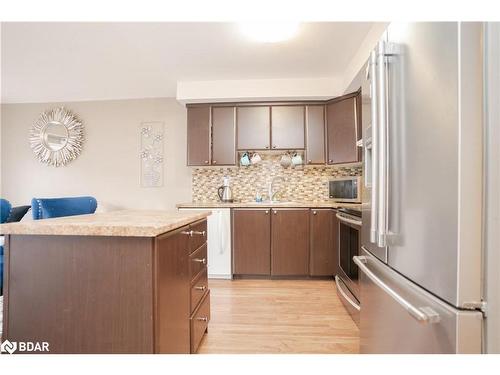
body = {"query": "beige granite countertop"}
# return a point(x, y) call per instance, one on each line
point(126, 223)
point(308, 204)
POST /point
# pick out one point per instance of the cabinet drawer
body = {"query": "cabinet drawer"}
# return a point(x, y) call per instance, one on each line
point(198, 289)
point(199, 322)
point(198, 261)
point(198, 235)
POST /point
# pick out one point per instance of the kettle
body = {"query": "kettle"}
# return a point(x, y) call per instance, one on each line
point(224, 191)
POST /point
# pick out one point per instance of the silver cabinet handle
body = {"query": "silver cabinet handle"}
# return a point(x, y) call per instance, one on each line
point(330, 161)
point(382, 123)
point(214, 161)
point(202, 319)
point(347, 220)
point(266, 147)
point(315, 212)
point(206, 161)
point(374, 166)
point(197, 232)
point(187, 232)
point(344, 294)
point(423, 314)
point(309, 161)
point(266, 212)
point(200, 260)
point(275, 212)
point(203, 287)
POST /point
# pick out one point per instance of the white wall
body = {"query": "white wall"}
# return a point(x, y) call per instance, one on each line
point(363, 53)
point(109, 166)
point(258, 89)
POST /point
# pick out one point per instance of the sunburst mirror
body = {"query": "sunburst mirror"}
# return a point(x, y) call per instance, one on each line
point(56, 137)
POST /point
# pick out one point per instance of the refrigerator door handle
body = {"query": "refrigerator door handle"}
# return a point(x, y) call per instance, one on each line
point(382, 147)
point(374, 151)
point(422, 314)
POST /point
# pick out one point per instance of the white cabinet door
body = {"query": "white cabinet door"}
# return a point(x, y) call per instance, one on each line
point(219, 242)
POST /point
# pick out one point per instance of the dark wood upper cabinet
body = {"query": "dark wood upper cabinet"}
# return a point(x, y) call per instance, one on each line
point(315, 134)
point(223, 135)
point(343, 130)
point(251, 241)
point(198, 135)
point(254, 127)
point(287, 127)
point(323, 257)
point(290, 242)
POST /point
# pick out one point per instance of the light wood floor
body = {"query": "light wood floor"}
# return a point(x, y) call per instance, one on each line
point(278, 316)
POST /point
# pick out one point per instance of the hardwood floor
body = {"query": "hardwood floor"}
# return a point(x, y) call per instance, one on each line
point(278, 316)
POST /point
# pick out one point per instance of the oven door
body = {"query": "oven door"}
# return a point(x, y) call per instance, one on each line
point(348, 247)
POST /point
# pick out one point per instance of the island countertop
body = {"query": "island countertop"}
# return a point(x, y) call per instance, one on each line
point(125, 223)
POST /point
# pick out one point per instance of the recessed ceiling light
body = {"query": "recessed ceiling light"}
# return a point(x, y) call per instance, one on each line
point(269, 32)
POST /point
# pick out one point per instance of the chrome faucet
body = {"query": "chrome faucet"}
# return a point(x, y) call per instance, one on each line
point(271, 192)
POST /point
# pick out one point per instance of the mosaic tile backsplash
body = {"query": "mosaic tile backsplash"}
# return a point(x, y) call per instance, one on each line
point(301, 183)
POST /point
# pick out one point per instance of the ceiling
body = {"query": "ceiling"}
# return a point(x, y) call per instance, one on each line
point(43, 62)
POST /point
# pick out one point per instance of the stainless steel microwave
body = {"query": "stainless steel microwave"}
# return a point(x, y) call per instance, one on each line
point(345, 189)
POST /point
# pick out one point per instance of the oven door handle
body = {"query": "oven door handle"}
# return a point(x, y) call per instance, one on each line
point(344, 294)
point(347, 220)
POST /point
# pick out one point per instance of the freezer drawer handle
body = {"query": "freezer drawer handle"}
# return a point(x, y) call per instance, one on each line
point(423, 314)
point(344, 294)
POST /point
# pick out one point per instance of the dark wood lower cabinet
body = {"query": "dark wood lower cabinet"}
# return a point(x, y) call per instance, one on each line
point(290, 242)
point(97, 294)
point(285, 242)
point(323, 254)
point(251, 241)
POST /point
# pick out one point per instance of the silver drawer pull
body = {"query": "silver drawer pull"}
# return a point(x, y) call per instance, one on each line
point(188, 233)
point(202, 233)
point(198, 260)
point(202, 319)
point(422, 314)
point(203, 287)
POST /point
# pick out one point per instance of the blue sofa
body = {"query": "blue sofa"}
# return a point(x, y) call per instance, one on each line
point(45, 208)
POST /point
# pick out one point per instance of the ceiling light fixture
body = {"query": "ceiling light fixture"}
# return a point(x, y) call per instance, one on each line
point(269, 32)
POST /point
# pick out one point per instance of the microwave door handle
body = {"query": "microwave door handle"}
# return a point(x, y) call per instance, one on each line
point(374, 145)
point(382, 126)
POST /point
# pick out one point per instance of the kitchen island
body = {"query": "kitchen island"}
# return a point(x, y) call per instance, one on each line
point(117, 282)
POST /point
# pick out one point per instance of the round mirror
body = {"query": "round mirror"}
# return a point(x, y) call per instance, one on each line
point(55, 135)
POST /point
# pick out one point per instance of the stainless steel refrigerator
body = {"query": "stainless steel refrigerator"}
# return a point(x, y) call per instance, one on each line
point(419, 267)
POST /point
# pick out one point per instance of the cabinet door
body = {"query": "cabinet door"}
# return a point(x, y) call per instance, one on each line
point(322, 257)
point(253, 127)
point(223, 135)
point(251, 242)
point(290, 242)
point(198, 135)
point(172, 293)
point(315, 134)
point(287, 127)
point(342, 131)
